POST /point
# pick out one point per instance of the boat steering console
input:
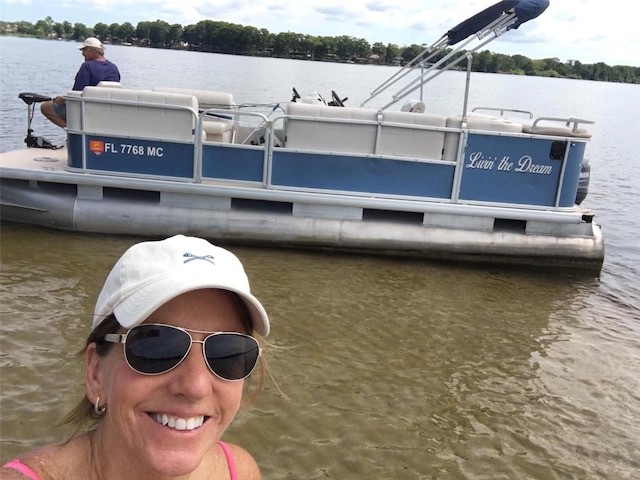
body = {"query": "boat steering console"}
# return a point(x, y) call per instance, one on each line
point(316, 98)
point(35, 142)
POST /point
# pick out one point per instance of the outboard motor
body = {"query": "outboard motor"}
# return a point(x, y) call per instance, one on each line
point(35, 142)
point(583, 181)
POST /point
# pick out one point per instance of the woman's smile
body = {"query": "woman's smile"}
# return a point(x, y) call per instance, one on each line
point(178, 423)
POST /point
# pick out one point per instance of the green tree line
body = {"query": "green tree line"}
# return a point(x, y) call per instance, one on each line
point(229, 38)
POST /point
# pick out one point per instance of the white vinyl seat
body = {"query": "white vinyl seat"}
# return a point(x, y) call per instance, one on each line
point(214, 128)
point(134, 113)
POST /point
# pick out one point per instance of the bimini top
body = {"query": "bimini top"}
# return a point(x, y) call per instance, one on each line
point(524, 10)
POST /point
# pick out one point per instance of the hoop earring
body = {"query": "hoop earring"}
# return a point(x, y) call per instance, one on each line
point(99, 411)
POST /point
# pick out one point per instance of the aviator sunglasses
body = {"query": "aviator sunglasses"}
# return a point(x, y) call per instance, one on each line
point(152, 349)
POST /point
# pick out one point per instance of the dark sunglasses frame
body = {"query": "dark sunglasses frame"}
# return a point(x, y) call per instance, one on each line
point(130, 338)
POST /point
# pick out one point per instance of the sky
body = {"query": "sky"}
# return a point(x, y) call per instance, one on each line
point(589, 31)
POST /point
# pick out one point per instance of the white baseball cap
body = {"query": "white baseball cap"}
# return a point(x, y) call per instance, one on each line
point(92, 42)
point(149, 274)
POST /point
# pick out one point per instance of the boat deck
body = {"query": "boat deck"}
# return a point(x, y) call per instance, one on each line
point(36, 159)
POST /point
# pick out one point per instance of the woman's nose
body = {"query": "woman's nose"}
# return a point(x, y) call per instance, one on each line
point(193, 377)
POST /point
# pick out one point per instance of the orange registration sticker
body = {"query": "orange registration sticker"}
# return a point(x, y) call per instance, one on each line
point(96, 146)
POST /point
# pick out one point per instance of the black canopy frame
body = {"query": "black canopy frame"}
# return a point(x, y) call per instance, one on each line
point(482, 28)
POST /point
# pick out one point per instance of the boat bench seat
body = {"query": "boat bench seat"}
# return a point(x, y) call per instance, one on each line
point(475, 121)
point(417, 142)
point(560, 131)
point(133, 113)
point(206, 98)
point(215, 129)
point(355, 130)
point(335, 129)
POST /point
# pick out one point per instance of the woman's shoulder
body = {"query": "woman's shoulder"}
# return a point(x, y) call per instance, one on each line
point(47, 463)
point(35, 464)
point(246, 466)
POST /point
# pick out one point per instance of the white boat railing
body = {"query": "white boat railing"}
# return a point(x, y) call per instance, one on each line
point(375, 127)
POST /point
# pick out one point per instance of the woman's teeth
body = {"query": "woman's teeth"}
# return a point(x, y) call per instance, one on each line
point(178, 423)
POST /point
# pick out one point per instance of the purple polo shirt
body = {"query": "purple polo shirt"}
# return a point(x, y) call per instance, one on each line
point(93, 72)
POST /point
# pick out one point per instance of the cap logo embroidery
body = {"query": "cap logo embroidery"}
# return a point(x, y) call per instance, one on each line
point(190, 257)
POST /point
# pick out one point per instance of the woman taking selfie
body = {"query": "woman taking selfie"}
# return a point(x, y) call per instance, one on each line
point(167, 367)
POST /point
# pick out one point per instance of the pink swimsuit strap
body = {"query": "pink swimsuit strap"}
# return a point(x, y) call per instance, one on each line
point(16, 464)
point(22, 468)
point(230, 461)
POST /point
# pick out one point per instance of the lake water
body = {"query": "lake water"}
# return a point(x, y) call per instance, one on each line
point(392, 369)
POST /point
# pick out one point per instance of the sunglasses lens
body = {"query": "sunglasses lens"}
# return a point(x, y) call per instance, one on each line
point(231, 356)
point(153, 349)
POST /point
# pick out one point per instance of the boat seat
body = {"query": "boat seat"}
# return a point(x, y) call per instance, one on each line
point(475, 121)
point(214, 129)
point(411, 142)
point(107, 84)
point(217, 130)
point(138, 113)
point(206, 98)
point(352, 130)
point(560, 131)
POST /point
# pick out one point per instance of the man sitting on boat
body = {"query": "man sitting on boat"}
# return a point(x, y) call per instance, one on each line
point(95, 69)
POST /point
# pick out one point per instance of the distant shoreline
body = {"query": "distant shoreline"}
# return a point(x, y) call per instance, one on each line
point(230, 39)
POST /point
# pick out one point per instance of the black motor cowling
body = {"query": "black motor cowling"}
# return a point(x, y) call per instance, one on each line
point(30, 98)
point(583, 181)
